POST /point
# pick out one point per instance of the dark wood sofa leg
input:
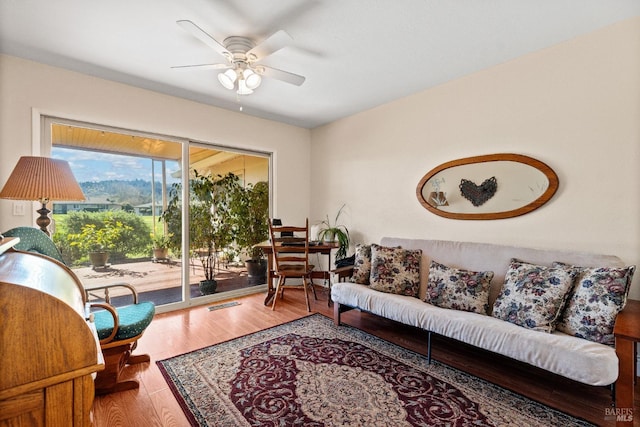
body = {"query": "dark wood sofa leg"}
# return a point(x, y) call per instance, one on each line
point(613, 394)
point(338, 309)
point(336, 313)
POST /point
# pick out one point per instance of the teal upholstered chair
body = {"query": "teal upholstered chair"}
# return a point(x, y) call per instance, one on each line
point(118, 328)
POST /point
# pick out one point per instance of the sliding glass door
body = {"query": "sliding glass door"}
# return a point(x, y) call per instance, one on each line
point(135, 185)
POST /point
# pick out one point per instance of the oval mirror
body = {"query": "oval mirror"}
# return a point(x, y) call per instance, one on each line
point(494, 186)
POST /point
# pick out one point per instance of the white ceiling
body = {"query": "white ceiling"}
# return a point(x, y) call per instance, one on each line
point(355, 54)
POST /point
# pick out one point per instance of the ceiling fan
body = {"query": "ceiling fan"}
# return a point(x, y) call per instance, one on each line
point(243, 71)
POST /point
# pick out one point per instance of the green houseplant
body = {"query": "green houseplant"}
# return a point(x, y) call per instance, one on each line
point(210, 225)
point(334, 232)
point(160, 244)
point(98, 241)
point(250, 211)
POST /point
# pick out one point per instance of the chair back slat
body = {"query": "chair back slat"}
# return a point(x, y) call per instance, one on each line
point(290, 246)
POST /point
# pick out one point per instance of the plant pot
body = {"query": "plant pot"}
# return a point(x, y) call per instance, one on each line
point(257, 271)
point(208, 287)
point(99, 259)
point(329, 236)
point(161, 253)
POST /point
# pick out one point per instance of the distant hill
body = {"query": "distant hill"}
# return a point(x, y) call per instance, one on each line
point(134, 192)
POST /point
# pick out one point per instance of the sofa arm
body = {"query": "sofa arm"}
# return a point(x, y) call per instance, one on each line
point(343, 272)
point(627, 334)
point(628, 321)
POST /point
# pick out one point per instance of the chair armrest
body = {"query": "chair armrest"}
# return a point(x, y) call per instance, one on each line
point(116, 320)
point(343, 272)
point(106, 288)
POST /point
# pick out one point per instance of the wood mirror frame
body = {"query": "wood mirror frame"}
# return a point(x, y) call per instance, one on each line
point(527, 207)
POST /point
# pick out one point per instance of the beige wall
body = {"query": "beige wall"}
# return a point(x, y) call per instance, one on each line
point(26, 85)
point(574, 106)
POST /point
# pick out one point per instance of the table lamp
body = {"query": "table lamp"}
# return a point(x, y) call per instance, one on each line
point(42, 179)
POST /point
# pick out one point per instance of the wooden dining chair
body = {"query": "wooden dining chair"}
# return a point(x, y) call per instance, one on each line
point(290, 246)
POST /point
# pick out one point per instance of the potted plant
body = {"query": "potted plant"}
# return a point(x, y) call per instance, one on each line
point(160, 244)
point(97, 241)
point(334, 232)
point(250, 212)
point(210, 224)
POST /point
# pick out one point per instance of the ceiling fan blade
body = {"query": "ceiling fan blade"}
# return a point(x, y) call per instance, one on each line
point(271, 44)
point(204, 37)
point(205, 66)
point(285, 76)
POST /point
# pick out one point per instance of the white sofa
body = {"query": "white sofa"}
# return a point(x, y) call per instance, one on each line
point(575, 358)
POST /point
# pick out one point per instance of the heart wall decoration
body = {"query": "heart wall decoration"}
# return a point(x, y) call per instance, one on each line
point(478, 194)
point(526, 184)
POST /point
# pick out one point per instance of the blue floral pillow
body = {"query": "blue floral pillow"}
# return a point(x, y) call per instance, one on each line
point(598, 295)
point(533, 296)
point(458, 289)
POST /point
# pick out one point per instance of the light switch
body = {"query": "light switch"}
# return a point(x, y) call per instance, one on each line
point(18, 209)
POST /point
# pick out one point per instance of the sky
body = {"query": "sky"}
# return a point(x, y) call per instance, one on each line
point(96, 166)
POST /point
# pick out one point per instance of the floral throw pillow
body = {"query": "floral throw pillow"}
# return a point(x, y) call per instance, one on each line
point(395, 270)
point(599, 294)
point(362, 265)
point(533, 296)
point(458, 289)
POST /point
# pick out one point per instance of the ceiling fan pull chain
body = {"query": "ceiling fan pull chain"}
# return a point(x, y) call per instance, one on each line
point(238, 100)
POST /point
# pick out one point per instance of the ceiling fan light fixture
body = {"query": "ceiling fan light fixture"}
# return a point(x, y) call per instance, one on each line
point(228, 79)
point(251, 79)
point(242, 74)
point(243, 89)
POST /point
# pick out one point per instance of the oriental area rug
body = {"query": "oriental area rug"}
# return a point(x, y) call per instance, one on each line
point(311, 373)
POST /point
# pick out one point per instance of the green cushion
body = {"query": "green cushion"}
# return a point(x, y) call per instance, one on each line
point(133, 319)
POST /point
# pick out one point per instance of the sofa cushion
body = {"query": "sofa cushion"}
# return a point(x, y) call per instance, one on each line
point(458, 289)
point(362, 264)
point(533, 296)
point(575, 358)
point(598, 295)
point(395, 270)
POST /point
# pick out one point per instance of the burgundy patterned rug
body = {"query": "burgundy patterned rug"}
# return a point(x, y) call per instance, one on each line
point(311, 373)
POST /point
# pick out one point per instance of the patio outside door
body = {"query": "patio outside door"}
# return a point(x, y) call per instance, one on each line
point(129, 179)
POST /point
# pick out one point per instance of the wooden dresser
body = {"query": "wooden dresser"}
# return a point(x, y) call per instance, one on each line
point(49, 352)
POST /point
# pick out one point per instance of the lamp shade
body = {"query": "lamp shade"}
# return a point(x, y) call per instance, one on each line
point(42, 179)
point(251, 79)
point(228, 79)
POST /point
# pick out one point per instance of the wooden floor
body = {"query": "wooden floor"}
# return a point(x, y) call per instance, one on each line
point(175, 333)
